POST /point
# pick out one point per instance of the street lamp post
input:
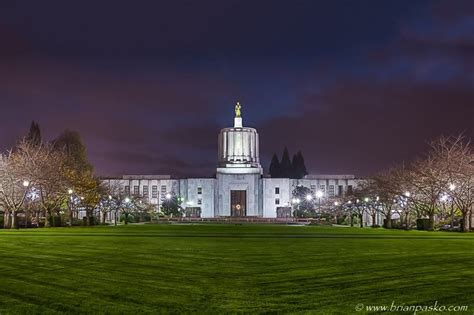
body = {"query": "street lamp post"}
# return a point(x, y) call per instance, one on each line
point(407, 195)
point(319, 194)
point(70, 206)
point(335, 210)
point(452, 187)
point(296, 202)
point(127, 200)
point(26, 184)
point(351, 213)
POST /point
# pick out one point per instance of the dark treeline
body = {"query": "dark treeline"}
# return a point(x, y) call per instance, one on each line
point(286, 168)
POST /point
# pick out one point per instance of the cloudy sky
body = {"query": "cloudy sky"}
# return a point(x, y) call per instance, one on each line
point(356, 85)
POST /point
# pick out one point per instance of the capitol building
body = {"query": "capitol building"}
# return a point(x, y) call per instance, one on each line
point(239, 188)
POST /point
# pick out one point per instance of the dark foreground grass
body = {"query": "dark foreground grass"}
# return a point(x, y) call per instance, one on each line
point(230, 268)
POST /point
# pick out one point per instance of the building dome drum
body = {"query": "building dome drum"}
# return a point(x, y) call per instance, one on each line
point(238, 146)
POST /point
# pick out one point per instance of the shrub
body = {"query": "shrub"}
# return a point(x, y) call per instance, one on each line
point(76, 222)
point(395, 223)
point(54, 221)
point(130, 218)
point(423, 225)
point(89, 221)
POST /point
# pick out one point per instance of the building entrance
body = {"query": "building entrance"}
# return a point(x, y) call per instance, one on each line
point(238, 203)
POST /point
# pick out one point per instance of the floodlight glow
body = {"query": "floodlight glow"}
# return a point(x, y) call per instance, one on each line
point(377, 198)
point(110, 197)
point(26, 183)
point(69, 191)
point(309, 197)
point(33, 194)
point(349, 202)
point(297, 200)
point(127, 200)
point(336, 203)
point(444, 198)
point(168, 196)
point(407, 194)
point(366, 199)
point(452, 187)
point(319, 194)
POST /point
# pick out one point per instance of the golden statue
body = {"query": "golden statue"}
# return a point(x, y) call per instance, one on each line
point(237, 110)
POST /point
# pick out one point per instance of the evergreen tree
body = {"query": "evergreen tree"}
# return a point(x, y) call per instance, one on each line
point(71, 143)
point(298, 166)
point(294, 167)
point(172, 206)
point(34, 135)
point(275, 166)
point(303, 170)
point(78, 171)
point(285, 165)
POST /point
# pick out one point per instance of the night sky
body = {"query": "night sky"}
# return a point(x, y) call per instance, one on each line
point(356, 85)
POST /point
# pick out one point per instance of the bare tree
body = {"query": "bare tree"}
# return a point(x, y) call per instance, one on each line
point(365, 202)
point(428, 185)
point(17, 177)
point(119, 201)
point(455, 160)
point(50, 181)
point(388, 188)
point(13, 188)
point(353, 205)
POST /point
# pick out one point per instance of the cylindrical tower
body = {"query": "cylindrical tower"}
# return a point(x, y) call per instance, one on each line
point(239, 147)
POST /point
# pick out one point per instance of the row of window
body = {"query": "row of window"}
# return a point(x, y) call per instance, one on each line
point(154, 191)
point(145, 191)
point(331, 191)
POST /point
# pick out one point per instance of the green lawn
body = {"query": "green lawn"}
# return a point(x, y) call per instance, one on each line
point(230, 268)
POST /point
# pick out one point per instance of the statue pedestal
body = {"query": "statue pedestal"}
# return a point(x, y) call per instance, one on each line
point(238, 122)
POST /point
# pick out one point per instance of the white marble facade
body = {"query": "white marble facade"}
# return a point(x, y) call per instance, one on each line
point(239, 188)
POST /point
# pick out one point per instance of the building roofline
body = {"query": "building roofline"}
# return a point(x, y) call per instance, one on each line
point(324, 176)
point(136, 177)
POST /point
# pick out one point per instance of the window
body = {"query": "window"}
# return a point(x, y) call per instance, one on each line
point(323, 189)
point(199, 190)
point(340, 190)
point(163, 192)
point(277, 190)
point(313, 189)
point(331, 190)
point(154, 191)
point(277, 201)
point(145, 191)
point(199, 201)
point(127, 190)
point(136, 190)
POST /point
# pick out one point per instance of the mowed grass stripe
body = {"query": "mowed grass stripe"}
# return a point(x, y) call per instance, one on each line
point(91, 270)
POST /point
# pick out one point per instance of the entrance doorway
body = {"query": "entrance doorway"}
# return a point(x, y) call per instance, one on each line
point(238, 203)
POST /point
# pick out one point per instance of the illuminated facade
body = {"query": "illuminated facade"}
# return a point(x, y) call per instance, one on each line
point(239, 188)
